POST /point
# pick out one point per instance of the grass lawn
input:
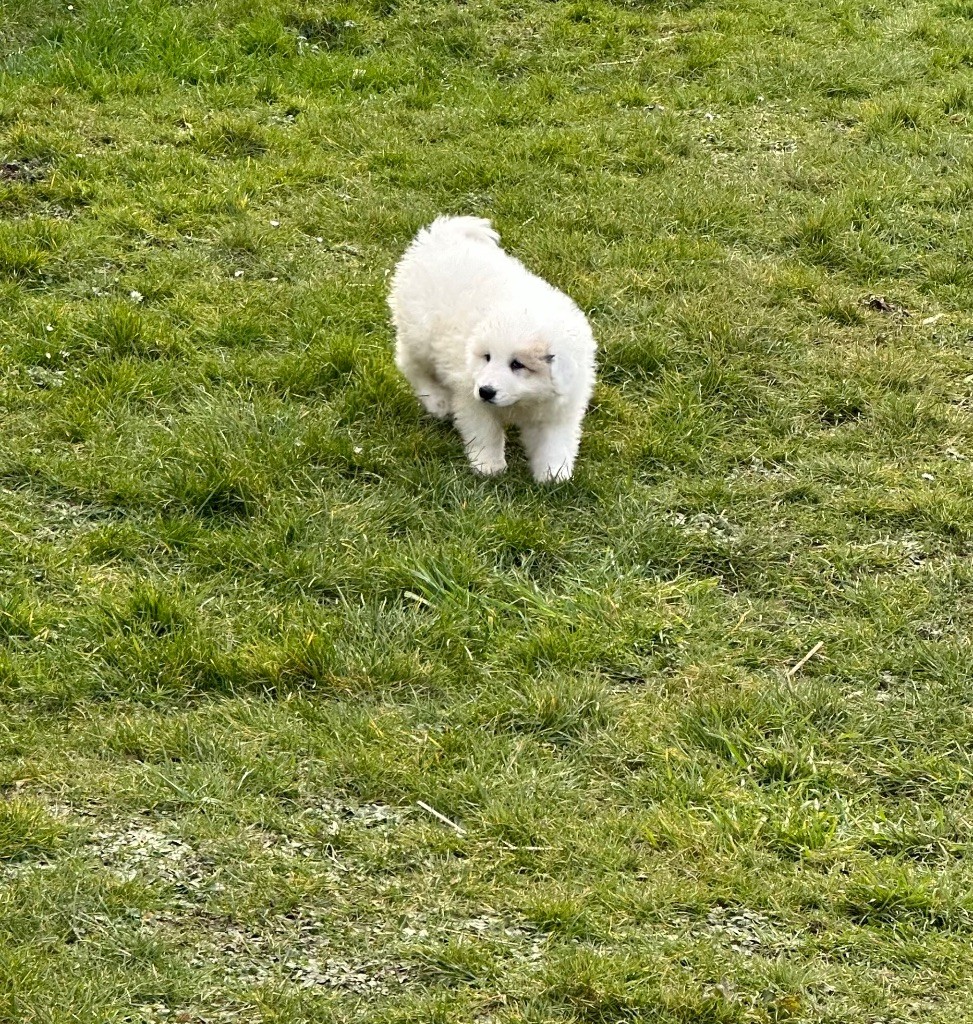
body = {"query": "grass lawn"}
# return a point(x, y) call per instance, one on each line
point(255, 608)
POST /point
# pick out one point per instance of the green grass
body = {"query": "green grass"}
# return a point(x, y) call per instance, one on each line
point(254, 607)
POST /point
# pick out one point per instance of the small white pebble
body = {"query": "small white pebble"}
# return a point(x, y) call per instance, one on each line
point(238, 273)
point(928, 476)
point(274, 279)
point(48, 328)
point(358, 450)
point(47, 355)
point(275, 223)
point(319, 239)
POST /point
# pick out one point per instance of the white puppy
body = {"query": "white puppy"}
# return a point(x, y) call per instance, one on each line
point(485, 341)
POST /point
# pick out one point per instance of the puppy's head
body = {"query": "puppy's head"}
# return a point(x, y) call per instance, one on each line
point(512, 361)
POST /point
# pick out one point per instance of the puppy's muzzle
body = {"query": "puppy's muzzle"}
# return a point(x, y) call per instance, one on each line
point(488, 394)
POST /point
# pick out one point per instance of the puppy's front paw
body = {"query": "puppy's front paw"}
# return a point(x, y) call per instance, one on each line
point(551, 452)
point(489, 466)
point(551, 474)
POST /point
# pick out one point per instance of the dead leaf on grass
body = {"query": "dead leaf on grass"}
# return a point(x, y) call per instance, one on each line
point(883, 305)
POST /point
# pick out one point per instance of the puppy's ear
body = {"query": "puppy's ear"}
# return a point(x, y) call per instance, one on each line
point(558, 365)
point(539, 354)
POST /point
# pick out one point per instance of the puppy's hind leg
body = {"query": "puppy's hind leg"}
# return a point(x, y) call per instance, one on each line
point(433, 396)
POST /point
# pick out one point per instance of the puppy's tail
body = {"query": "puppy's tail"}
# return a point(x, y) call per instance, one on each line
point(476, 229)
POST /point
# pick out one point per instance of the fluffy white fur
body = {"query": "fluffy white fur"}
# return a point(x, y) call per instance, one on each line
point(485, 341)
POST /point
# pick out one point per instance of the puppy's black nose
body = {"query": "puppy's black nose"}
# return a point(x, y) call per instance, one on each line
point(488, 394)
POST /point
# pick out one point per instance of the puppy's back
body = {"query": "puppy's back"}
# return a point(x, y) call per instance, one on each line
point(471, 229)
point(453, 269)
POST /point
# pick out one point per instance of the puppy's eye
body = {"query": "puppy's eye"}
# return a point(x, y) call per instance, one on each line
point(516, 364)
